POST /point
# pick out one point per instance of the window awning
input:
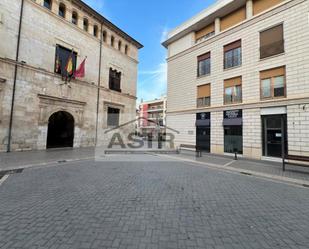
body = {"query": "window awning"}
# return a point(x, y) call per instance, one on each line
point(232, 122)
point(203, 122)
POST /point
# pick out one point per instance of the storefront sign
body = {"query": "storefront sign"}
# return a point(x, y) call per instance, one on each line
point(232, 118)
point(203, 119)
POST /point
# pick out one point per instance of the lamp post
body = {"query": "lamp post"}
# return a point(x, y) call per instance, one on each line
point(158, 129)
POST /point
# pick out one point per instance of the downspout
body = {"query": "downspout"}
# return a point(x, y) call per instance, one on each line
point(15, 77)
point(99, 85)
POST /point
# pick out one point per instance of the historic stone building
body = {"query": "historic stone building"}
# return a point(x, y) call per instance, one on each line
point(238, 78)
point(49, 112)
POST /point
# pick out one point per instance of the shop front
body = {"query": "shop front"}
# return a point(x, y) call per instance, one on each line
point(203, 131)
point(233, 131)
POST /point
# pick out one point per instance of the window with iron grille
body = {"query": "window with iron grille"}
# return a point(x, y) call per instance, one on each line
point(62, 57)
point(113, 116)
point(114, 80)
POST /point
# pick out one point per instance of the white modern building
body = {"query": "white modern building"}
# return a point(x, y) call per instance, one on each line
point(238, 78)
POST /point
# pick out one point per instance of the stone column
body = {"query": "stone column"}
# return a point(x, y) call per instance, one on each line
point(80, 21)
point(249, 9)
point(90, 28)
point(217, 25)
point(55, 7)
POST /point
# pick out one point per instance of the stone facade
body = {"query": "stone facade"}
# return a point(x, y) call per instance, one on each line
point(183, 81)
point(40, 92)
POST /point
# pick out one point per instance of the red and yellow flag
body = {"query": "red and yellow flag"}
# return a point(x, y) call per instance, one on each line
point(69, 66)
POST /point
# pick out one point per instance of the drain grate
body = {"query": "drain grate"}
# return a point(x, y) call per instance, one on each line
point(10, 172)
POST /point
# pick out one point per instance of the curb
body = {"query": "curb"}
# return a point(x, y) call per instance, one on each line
point(281, 179)
point(51, 163)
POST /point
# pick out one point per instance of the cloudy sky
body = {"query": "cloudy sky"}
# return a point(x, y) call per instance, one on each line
point(148, 22)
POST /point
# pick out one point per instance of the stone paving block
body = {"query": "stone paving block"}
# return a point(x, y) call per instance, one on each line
point(170, 205)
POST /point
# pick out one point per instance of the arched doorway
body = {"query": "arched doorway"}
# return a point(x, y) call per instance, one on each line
point(60, 132)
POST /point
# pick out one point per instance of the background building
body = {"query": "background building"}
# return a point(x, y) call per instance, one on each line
point(48, 112)
point(238, 78)
point(152, 113)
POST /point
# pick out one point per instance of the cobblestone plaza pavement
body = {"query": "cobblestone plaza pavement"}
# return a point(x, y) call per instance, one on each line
point(160, 203)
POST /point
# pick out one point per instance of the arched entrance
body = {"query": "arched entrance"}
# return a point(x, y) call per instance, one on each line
point(60, 131)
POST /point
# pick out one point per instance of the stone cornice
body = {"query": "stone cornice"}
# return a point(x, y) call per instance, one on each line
point(57, 99)
point(74, 81)
point(254, 105)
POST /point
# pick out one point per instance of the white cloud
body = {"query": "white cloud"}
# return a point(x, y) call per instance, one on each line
point(164, 34)
point(154, 82)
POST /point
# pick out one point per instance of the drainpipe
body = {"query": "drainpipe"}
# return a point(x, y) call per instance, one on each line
point(15, 77)
point(99, 84)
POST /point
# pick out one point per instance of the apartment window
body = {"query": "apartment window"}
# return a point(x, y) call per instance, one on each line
point(273, 83)
point(203, 95)
point(61, 11)
point(271, 42)
point(119, 45)
point(203, 64)
point(114, 80)
point(86, 24)
point(74, 18)
point(95, 30)
point(112, 41)
point(232, 55)
point(126, 49)
point(48, 4)
point(113, 116)
point(233, 91)
point(62, 57)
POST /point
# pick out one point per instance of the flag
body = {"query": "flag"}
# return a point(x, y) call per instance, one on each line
point(80, 72)
point(58, 65)
point(69, 66)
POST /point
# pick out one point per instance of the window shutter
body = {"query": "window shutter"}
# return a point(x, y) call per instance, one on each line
point(272, 73)
point(232, 82)
point(203, 91)
point(233, 45)
point(271, 41)
point(203, 57)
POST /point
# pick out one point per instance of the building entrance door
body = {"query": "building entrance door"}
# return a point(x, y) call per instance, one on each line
point(60, 130)
point(274, 134)
point(203, 131)
point(203, 138)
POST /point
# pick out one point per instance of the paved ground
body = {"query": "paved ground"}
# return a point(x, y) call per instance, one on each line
point(149, 203)
point(264, 167)
point(20, 159)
